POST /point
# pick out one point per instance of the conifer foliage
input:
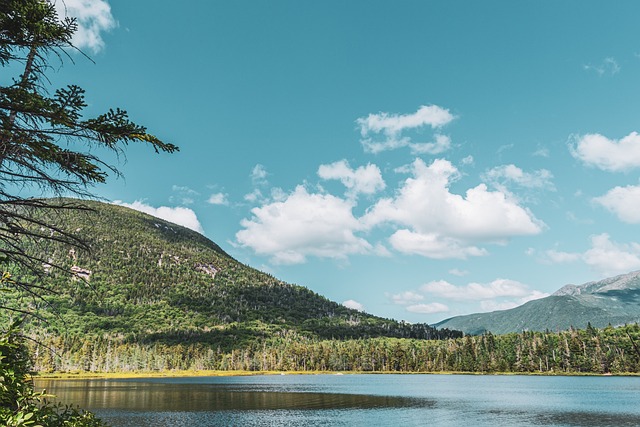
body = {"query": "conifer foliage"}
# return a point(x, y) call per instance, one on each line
point(47, 147)
point(46, 143)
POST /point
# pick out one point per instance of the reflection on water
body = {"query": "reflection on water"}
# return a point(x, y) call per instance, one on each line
point(357, 400)
point(97, 394)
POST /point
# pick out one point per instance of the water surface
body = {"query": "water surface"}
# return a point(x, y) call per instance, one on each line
point(358, 400)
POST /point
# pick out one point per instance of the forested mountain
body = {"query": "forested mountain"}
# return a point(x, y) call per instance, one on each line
point(151, 295)
point(613, 301)
point(146, 280)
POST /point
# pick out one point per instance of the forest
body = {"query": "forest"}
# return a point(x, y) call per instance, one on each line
point(590, 351)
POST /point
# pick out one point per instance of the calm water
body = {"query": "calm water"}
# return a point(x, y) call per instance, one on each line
point(358, 400)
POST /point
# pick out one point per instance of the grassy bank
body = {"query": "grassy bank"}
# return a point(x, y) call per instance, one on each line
point(210, 373)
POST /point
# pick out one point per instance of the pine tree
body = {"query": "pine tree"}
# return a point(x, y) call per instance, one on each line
point(46, 144)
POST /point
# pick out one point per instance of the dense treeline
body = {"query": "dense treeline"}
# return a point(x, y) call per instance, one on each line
point(608, 350)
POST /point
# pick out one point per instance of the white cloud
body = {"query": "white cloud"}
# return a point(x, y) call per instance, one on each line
point(559, 257)
point(259, 175)
point(432, 245)
point(610, 258)
point(258, 179)
point(533, 296)
point(458, 272)
point(605, 257)
point(607, 154)
point(441, 144)
point(94, 18)
point(185, 195)
point(407, 297)
point(500, 294)
point(391, 127)
point(441, 224)
point(624, 202)
point(496, 295)
point(607, 66)
point(467, 160)
point(434, 307)
point(303, 224)
point(254, 196)
point(501, 176)
point(477, 291)
point(542, 152)
point(365, 179)
point(353, 304)
point(493, 305)
point(178, 215)
point(218, 199)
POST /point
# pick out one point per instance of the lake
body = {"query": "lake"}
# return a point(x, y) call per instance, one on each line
point(357, 400)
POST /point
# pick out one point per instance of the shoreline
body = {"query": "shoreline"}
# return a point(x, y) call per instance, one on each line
point(209, 373)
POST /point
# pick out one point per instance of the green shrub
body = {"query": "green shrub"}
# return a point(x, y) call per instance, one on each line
point(20, 404)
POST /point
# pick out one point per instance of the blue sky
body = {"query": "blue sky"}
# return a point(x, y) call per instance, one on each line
point(416, 159)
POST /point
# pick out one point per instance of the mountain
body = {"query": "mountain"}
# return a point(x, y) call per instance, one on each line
point(614, 301)
point(149, 280)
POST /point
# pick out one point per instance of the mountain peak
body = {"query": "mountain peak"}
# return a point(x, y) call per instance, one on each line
point(618, 283)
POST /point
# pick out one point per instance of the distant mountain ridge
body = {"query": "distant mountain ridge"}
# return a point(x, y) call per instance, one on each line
point(613, 301)
point(617, 283)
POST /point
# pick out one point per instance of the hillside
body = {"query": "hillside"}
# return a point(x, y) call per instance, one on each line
point(614, 301)
point(148, 280)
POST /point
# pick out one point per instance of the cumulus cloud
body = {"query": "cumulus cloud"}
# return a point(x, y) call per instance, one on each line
point(407, 297)
point(442, 143)
point(434, 307)
point(94, 18)
point(178, 215)
point(607, 154)
point(218, 199)
point(500, 294)
point(441, 224)
point(477, 291)
point(365, 179)
point(303, 224)
point(412, 301)
point(353, 304)
point(432, 245)
point(611, 258)
point(254, 196)
point(388, 130)
point(502, 176)
point(605, 257)
point(624, 202)
point(560, 257)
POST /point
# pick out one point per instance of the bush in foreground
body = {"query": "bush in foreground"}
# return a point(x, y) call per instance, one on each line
point(20, 404)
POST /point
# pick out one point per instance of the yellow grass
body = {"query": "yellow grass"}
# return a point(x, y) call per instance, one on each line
point(209, 373)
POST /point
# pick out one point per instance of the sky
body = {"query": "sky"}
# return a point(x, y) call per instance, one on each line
point(416, 159)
